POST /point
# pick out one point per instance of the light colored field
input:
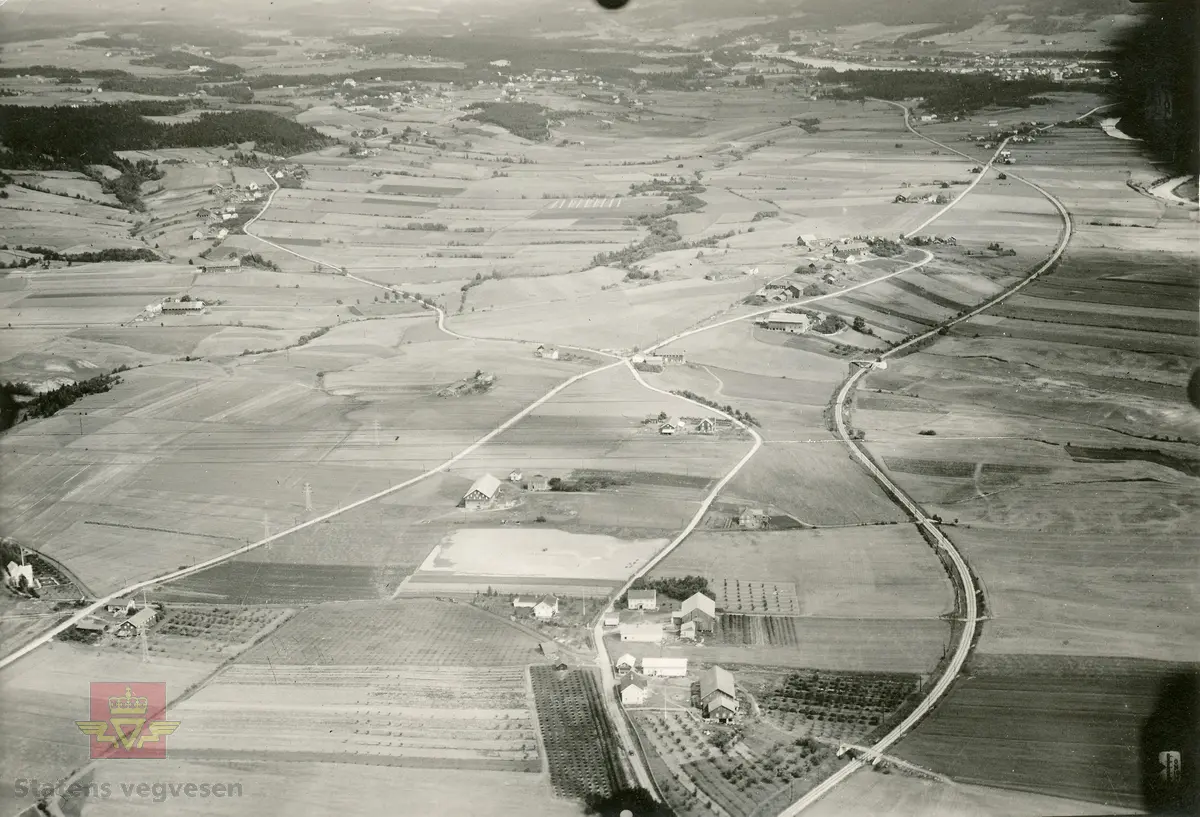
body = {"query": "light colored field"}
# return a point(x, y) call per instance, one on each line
point(452, 717)
point(314, 789)
point(397, 633)
point(870, 793)
point(540, 552)
point(817, 483)
point(51, 686)
point(886, 571)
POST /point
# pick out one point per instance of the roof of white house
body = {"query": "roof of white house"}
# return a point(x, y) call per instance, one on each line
point(808, 238)
point(487, 485)
point(649, 663)
point(649, 594)
point(631, 679)
point(551, 601)
point(700, 602)
point(717, 679)
point(787, 317)
point(626, 660)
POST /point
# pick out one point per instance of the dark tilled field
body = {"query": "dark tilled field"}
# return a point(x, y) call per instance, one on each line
point(1062, 726)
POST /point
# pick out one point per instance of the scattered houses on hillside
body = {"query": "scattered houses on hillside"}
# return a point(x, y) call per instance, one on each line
point(482, 493)
point(646, 599)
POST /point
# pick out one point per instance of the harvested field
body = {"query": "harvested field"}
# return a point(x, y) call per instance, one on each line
point(395, 633)
point(872, 793)
point(321, 789)
point(1059, 726)
point(256, 582)
point(884, 571)
point(449, 717)
point(817, 484)
point(584, 755)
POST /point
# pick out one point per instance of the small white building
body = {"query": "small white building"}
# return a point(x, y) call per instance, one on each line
point(633, 689)
point(626, 662)
point(515, 475)
point(612, 619)
point(643, 599)
point(671, 426)
point(646, 632)
point(662, 666)
point(196, 235)
point(17, 575)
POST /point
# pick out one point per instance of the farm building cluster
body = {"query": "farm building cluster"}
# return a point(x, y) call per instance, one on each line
point(696, 616)
point(119, 620)
point(716, 695)
point(670, 426)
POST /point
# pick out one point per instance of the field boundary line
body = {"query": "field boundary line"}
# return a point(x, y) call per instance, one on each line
point(971, 588)
point(83, 613)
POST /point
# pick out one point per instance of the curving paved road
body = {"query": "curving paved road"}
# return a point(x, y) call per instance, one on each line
point(966, 581)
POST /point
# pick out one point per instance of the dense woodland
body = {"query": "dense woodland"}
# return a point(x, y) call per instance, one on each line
point(524, 119)
point(65, 138)
point(944, 94)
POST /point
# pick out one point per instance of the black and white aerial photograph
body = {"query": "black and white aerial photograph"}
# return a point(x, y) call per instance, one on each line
point(629, 408)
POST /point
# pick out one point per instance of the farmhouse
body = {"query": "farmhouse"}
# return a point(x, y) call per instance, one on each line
point(196, 235)
point(546, 608)
point(700, 609)
point(546, 352)
point(670, 667)
point(626, 661)
point(539, 482)
point(718, 694)
point(514, 475)
point(671, 426)
point(183, 307)
point(643, 599)
point(612, 619)
point(706, 426)
point(672, 360)
point(648, 632)
point(632, 689)
point(789, 322)
point(688, 630)
point(482, 493)
point(752, 519)
point(224, 265)
point(808, 240)
point(130, 626)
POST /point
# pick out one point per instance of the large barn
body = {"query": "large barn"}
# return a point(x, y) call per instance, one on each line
point(482, 494)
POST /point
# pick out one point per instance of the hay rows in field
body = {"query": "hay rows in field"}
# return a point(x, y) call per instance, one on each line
point(580, 745)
